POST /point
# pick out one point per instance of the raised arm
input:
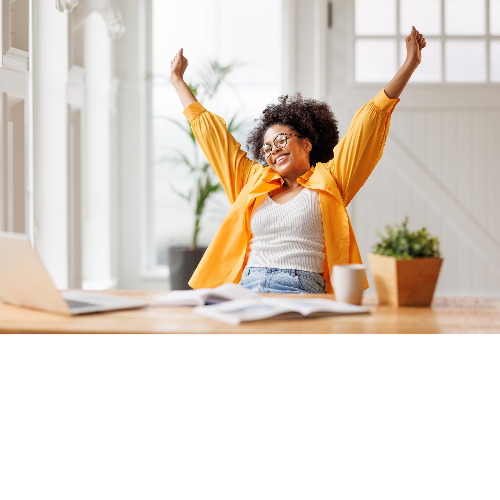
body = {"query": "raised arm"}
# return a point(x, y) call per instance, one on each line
point(358, 152)
point(415, 42)
point(222, 151)
point(178, 66)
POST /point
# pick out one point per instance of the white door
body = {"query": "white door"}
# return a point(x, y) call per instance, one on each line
point(441, 162)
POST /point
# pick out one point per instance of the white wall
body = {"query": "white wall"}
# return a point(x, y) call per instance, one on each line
point(57, 93)
point(440, 167)
point(305, 47)
point(97, 224)
point(131, 68)
point(50, 74)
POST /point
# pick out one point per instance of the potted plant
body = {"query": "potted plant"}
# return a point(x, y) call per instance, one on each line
point(183, 260)
point(405, 266)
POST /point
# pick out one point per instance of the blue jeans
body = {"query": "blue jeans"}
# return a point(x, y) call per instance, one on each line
point(271, 280)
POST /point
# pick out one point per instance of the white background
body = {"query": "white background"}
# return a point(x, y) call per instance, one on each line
point(245, 417)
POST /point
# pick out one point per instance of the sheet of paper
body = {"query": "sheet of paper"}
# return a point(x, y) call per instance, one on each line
point(309, 306)
point(229, 291)
point(238, 311)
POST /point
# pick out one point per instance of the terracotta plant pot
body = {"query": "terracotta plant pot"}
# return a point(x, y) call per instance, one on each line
point(405, 282)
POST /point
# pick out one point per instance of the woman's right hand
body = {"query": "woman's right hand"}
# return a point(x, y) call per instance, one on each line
point(178, 66)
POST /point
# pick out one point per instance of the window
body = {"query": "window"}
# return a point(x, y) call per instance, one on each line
point(205, 29)
point(463, 39)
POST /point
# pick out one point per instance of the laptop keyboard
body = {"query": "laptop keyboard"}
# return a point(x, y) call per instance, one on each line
point(75, 304)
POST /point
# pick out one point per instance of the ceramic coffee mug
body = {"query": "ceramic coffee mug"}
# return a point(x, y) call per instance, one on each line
point(348, 282)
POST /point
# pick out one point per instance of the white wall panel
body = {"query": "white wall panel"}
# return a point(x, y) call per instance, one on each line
point(441, 166)
point(97, 227)
point(457, 151)
point(492, 132)
point(50, 75)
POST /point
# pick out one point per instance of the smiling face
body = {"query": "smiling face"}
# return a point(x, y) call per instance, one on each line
point(292, 160)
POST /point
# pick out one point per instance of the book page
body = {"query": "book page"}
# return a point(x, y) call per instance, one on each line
point(310, 306)
point(237, 311)
point(229, 291)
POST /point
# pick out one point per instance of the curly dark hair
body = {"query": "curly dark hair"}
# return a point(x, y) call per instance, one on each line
point(308, 117)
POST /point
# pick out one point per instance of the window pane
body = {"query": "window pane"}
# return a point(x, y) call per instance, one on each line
point(495, 61)
point(494, 17)
point(375, 17)
point(430, 67)
point(375, 60)
point(425, 15)
point(464, 17)
point(254, 51)
point(169, 35)
point(465, 61)
point(212, 34)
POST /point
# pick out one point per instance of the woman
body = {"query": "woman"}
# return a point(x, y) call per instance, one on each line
point(288, 224)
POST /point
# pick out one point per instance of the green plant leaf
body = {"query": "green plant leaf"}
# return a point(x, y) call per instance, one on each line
point(213, 76)
point(187, 197)
point(178, 159)
point(234, 126)
point(157, 76)
point(185, 128)
point(402, 243)
point(193, 88)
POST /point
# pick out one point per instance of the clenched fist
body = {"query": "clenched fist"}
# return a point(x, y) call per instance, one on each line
point(415, 42)
point(178, 66)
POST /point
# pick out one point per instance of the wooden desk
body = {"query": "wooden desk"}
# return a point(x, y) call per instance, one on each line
point(445, 316)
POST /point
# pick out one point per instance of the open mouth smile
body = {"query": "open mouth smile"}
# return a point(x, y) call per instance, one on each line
point(280, 159)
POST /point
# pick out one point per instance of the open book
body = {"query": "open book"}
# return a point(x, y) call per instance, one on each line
point(202, 296)
point(237, 311)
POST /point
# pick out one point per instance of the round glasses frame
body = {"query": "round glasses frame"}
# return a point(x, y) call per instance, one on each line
point(280, 141)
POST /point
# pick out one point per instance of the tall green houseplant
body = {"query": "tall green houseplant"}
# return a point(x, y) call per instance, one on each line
point(204, 181)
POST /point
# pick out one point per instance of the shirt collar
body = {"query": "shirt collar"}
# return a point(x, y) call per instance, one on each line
point(305, 177)
point(272, 177)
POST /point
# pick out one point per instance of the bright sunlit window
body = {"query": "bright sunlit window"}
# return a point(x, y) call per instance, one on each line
point(206, 30)
point(462, 36)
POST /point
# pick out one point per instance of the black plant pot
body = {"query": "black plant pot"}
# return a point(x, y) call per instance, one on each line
point(183, 261)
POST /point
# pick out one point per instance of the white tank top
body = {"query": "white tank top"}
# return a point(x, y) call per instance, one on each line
point(288, 236)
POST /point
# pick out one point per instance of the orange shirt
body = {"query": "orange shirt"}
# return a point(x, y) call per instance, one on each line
point(244, 181)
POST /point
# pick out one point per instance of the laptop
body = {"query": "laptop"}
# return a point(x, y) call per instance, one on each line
point(25, 282)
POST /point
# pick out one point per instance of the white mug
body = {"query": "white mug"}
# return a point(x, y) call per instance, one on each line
point(348, 283)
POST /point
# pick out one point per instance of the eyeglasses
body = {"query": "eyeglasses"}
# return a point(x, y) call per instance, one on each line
point(279, 141)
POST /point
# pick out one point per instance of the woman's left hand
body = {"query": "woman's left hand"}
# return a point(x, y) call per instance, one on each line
point(415, 42)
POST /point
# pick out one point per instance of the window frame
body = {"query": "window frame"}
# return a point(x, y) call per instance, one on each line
point(487, 37)
point(151, 268)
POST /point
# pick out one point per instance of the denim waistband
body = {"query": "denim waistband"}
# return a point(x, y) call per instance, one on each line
point(274, 270)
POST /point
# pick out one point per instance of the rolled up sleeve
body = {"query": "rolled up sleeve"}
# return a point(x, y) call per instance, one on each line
point(223, 152)
point(359, 151)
